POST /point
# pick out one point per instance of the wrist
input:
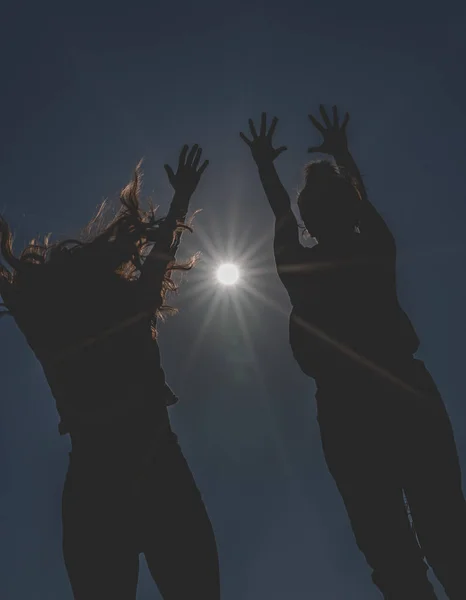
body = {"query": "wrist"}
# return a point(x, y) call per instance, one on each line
point(342, 155)
point(179, 206)
point(264, 164)
point(177, 214)
point(183, 194)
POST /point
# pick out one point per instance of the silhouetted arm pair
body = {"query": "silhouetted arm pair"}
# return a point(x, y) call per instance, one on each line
point(372, 226)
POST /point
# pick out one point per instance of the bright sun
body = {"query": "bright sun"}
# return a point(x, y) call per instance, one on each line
point(228, 274)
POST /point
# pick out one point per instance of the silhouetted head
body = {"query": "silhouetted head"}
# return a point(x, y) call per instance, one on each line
point(81, 283)
point(329, 202)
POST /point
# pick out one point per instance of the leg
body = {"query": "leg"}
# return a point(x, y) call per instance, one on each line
point(100, 556)
point(357, 439)
point(178, 540)
point(433, 488)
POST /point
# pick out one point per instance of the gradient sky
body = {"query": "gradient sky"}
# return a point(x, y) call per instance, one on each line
point(89, 90)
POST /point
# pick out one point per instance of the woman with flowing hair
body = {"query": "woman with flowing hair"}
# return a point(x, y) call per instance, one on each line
point(88, 308)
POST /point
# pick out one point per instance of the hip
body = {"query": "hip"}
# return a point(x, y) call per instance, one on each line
point(115, 494)
point(406, 393)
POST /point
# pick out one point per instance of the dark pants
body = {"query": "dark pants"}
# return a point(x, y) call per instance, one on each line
point(116, 506)
point(381, 441)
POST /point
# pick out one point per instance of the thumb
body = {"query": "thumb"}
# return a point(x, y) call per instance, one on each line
point(278, 151)
point(315, 149)
point(170, 174)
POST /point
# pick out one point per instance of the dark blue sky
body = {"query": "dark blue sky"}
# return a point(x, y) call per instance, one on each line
point(86, 91)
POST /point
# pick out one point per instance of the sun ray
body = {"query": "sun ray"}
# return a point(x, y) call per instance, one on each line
point(201, 333)
point(251, 250)
point(266, 300)
point(210, 245)
point(278, 438)
point(343, 348)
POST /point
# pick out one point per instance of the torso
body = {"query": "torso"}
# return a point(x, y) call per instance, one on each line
point(345, 306)
point(99, 357)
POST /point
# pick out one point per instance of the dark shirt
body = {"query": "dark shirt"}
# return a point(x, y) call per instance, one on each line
point(96, 347)
point(345, 306)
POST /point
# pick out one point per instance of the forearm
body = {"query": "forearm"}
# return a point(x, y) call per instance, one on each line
point(170, 237)
point(277, 195)
point(178, 207)
point(154, 268)
point(286, 238)
point(168, 240)
point(369, 216)
point(346, 160)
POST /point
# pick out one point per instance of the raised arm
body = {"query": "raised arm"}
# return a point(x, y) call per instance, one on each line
point(286, 239)
point(335, 143)
point(184, 182)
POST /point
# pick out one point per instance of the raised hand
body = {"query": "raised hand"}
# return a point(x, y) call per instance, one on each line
point(334, 134)
point(188, 173)
point(262, 145)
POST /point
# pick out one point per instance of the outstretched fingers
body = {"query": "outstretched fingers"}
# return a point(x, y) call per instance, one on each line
point(336, 119)
point(187, 174)
point(272, 128)
point(263, 129)
point(262, 145)
point(278, 151)
point(203, 167)
point(345, 121)
point(191, 155)
point(252, 128)
point(324, 116)
point(197, 157)
point(317, 124)
point(170, 173)
point(245, 139)
point(182, 158)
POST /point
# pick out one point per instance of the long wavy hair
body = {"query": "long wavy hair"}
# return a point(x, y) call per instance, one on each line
point(115, 245)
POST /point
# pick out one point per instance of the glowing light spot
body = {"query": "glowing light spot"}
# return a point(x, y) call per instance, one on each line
point(228, 274)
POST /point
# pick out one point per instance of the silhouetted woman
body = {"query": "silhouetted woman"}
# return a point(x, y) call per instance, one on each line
point(88, 310)
point(385, 431)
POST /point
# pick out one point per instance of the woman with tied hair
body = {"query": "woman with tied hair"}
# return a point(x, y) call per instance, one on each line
point(385, 431)
point(88, 309)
